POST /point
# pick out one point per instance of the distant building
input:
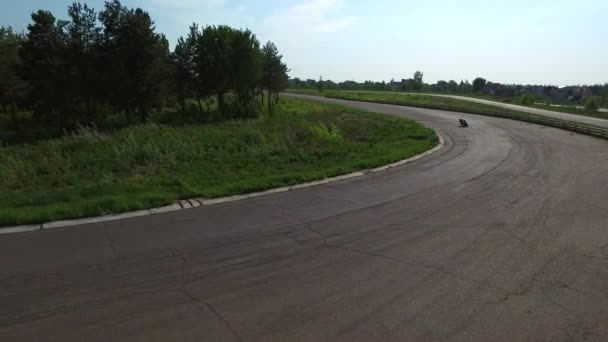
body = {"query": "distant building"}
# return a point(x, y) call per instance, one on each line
point(404, 84)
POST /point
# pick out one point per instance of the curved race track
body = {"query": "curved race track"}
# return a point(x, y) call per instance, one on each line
point(501, 235)
point(549, 113)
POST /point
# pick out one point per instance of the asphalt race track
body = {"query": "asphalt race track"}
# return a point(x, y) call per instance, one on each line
point(502, 235)
point(549, 113)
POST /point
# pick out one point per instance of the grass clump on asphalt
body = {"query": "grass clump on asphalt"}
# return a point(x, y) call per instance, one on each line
point(89, 173)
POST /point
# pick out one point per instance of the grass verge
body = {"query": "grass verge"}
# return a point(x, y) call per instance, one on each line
point(89, 173)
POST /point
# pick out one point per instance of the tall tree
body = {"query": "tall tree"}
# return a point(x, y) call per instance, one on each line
point(320, 84)
point(452, 86)
point(246, 71)
point(441, 86)
point(213, 63)
point(274, 74)
point(83, 39)
point(146, 56)
point(202, 89)
point(478, 84)
point(183, 76)
point(417, 81)
point(43, 67)
point(111, 61)
point(12, 87)
point(187, 80)
point(141, 56)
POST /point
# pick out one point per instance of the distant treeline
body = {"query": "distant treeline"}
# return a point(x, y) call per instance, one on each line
point(114, 63)
point(527, 94)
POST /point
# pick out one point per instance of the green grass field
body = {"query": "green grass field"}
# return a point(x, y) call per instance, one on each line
point(90, 173)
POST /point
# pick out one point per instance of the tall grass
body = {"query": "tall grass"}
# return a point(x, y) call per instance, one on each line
point(89, 172)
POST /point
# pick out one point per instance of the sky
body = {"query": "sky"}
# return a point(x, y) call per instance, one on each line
point(517, 41)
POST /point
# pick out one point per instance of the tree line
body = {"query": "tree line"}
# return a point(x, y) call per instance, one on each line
point(114, 63)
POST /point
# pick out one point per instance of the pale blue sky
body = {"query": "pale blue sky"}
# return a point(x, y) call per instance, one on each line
point(518, 41)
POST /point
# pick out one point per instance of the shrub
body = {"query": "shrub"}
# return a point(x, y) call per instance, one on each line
point(591, 103)
point(527, 99)
point(243, 107)
point(331, 133)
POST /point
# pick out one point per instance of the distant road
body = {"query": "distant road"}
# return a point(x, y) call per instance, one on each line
point(499, 236)
point(549, 113)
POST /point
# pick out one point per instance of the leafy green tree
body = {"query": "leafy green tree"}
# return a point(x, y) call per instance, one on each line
point(452, 86)
point(12, 87)
point(246, 71)
point(465, 87)
point(213, 62)
point(417, 81)
point(188, 82)
point(75, 70)
point(441, 86)
point(229, 60)
point(478, 84)
point(275, 78)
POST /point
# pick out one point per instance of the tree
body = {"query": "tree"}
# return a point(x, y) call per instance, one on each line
point(229, 60)
point(465, 87)
point(212, 61)
point(43, 67)
point(320, 84)
point(12, 87)
point(145, 54)
point(200, 87)
point(270, 56)
point(452, 86)
point(112, 64)
point(245, 72)
point(83, 39)
point(478, 84)
point(188, 83)
point(442, 86)
point(72, 70)
point(138, 77)
point(417, 81)
point(274, 74)
point(183, 76)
